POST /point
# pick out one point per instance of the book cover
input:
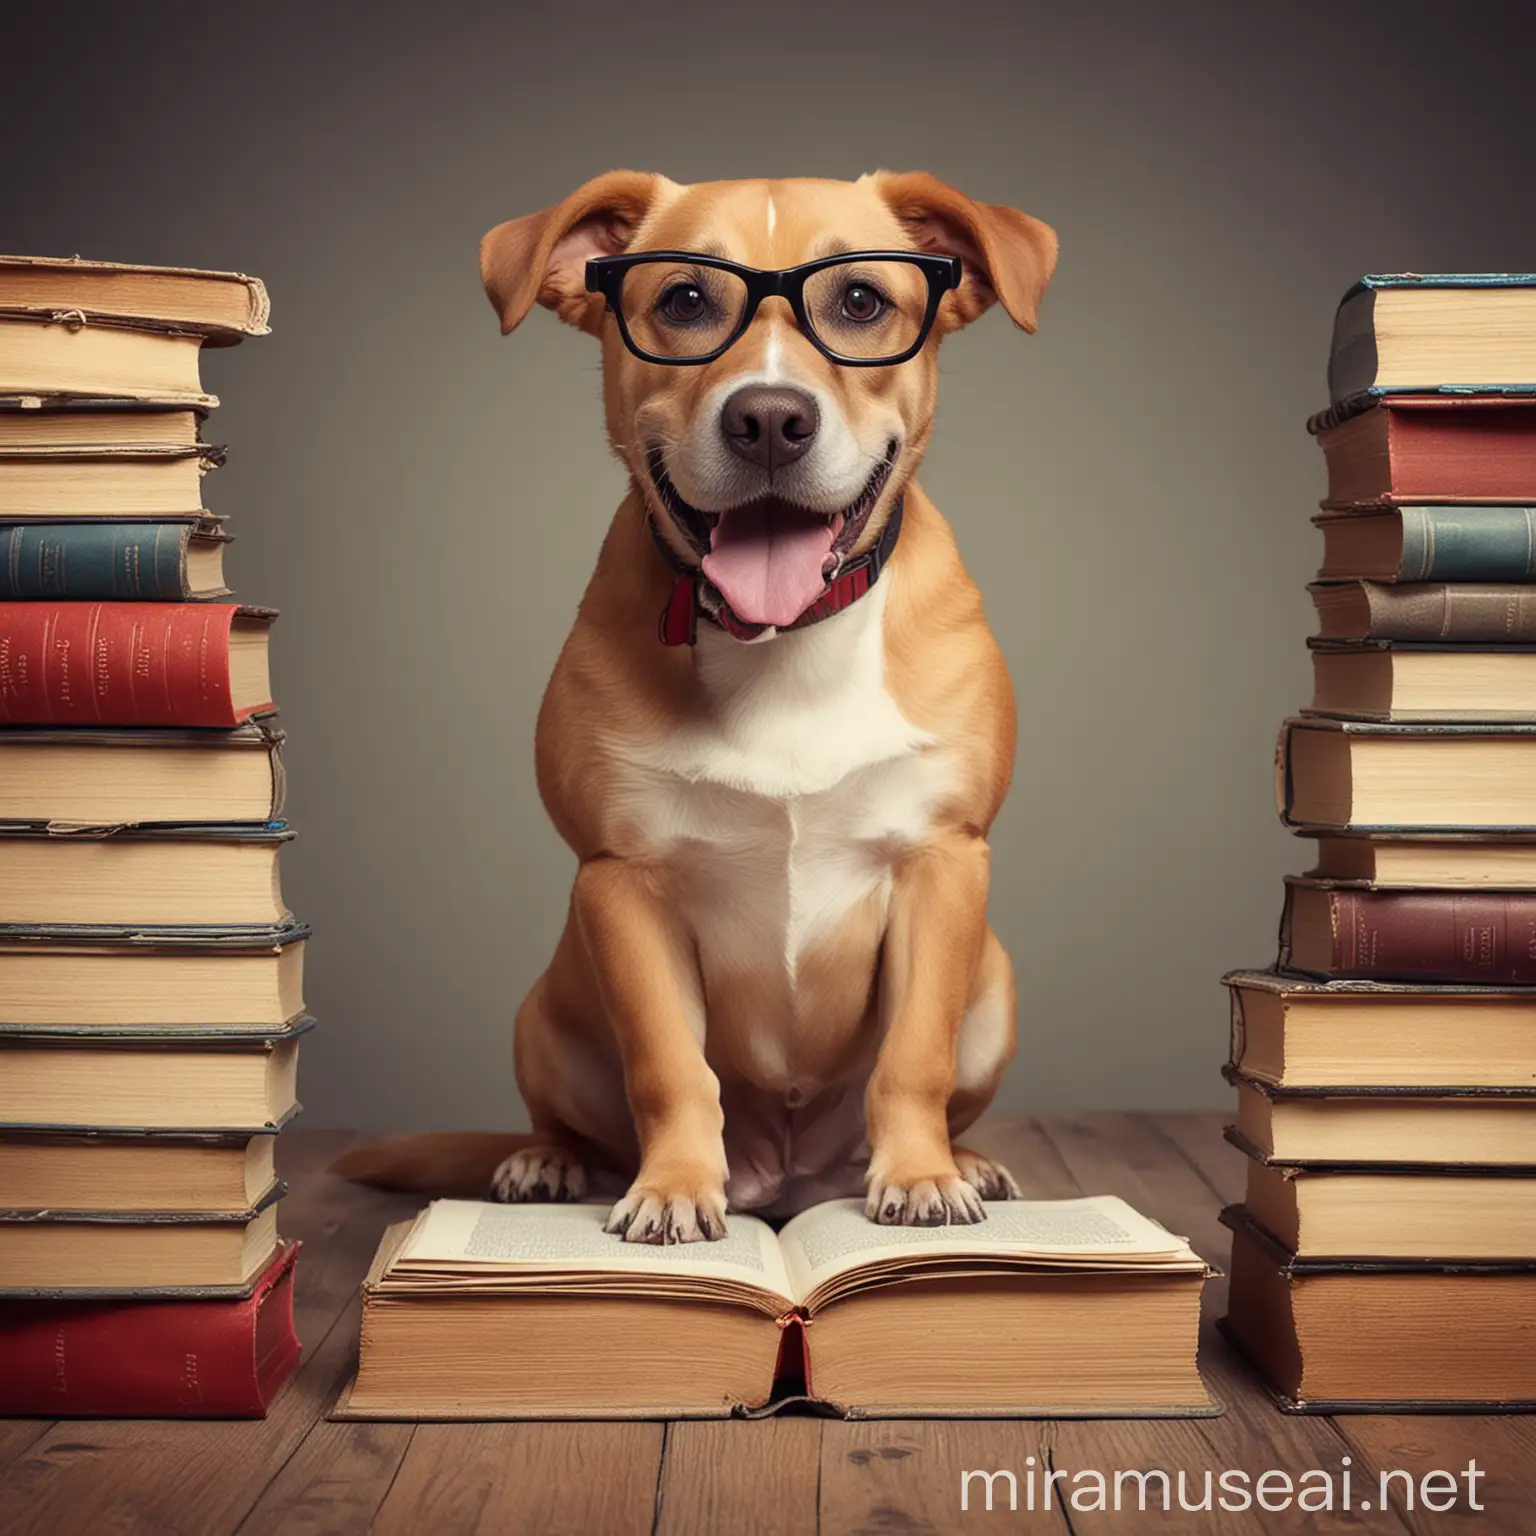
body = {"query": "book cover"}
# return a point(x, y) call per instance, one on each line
point(145, 561)
point(124, 664)
point(1452, 613)
point(152, 1358)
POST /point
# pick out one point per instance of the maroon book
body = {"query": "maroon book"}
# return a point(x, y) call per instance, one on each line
point(186, 664)
point(1427, 448)
point(159, 1358)
point(1450, 936)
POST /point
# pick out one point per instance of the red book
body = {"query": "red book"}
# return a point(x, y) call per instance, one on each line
point(187, 664)
point(170, 1358)
point(1429, 448)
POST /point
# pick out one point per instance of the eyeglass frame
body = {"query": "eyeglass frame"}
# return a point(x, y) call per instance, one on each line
point(605, 275)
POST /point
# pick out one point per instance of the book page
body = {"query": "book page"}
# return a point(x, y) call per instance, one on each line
point(837, 1237)
point(474, 1237)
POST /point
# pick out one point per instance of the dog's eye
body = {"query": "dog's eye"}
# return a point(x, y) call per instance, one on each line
point(862, 302)
point(682, 304)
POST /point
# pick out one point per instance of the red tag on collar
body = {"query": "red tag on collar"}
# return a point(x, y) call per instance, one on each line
point(679, 619)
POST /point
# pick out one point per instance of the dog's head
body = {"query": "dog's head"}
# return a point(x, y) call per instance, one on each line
point(771, 464)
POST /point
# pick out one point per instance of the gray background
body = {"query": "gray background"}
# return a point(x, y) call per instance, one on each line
point(425, 500)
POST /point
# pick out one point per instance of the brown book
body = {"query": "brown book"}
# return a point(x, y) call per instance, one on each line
point(1290, 1031)
point(1082, 1307)
point(117, 480)
point(1453, 612)
point(1481, 1127)
point(1401, 680)
point(172, 1078)
point(1336, 1335)
point(1429, 448)
point(94, 424)
point(74, 779)
point(134, 1171)
point(1393, 1213)
point(109, 1250)
point(225, 304)
point(1453, 777)
point(1458, 936)
point(134, 876)
point(1445, 861)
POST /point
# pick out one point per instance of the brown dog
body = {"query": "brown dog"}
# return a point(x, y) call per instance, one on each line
point(776, 982)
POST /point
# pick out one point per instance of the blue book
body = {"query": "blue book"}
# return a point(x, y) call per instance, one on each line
point(1417, 333)
point(171, 560)
point(1435, 543)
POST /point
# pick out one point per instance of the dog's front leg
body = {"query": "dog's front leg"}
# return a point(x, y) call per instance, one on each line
point(646, 976)
point(933, 943)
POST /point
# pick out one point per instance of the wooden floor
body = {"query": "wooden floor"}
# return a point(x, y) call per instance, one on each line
point(295, 1473)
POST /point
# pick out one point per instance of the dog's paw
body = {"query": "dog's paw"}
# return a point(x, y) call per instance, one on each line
point(539, 1173)
point(941, 1201)
point(990, 1180)
point(651, 1215)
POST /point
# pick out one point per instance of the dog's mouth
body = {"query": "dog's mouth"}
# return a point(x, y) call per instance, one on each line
point(770, 559)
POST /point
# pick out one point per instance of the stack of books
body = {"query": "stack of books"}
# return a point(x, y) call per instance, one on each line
point(1385, 1254)
point(150, 974)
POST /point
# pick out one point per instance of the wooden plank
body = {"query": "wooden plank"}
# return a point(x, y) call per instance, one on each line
point(906, 1474)
point(727, 1475)
point(202, 1478)
point(1127, 1155)
point(333, 1484)
point(1212, 1156)
point(539, 1479)
point(20, 1435)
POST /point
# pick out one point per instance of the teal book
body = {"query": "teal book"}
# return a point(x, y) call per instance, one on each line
point(1436, 543)
point(1435, 332)
point(174, 560)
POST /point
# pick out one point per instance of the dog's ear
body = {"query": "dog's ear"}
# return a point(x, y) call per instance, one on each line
point(544, 255)
point(1006, 255)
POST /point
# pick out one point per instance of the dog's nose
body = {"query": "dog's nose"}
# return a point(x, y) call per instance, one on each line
point(769, 426)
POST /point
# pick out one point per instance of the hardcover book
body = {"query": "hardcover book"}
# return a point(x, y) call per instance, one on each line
point(93, 664)
point(1078, 1307)
point(96, 424)
point(1335, 774)
point(1400, 680)
point(1448, 612)
point(1381, 1335)
point(1343, 1211)
point(171, 1078)
point(1478, 937)
point(171, 560)
point(118, 479)
point(73, 778)
point(1295, 1032)
point(1411, 333)
point(1391, 1123)
point(200, 875)
point(135, 1170)
point(1424, 448)
point(150, 1357)
point(110, 1251)
point(1430, 543)
point(96, 979)
point(1443, 860)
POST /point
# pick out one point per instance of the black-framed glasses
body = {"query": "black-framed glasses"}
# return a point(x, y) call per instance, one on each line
point(863, 309)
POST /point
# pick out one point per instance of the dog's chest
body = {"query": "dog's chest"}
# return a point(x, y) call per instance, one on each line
point(786, 808)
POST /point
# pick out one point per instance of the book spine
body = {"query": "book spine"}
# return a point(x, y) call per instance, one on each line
point(1488, 615)
point(1434, 936)
point(1450, 543)
point(116, 664)
point(150, 1359)
point(144, 562)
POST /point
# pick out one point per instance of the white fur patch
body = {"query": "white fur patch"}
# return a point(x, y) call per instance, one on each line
point(794, 798)
point(986, 1032)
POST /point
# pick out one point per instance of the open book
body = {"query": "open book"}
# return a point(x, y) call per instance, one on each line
point(1055, 1306)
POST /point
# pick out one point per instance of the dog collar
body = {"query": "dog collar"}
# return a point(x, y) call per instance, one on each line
point(679, 622)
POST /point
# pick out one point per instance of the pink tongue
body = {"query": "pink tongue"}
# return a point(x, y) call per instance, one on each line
point(766, 559)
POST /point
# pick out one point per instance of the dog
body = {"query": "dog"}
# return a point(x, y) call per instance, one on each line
point(780, 728)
